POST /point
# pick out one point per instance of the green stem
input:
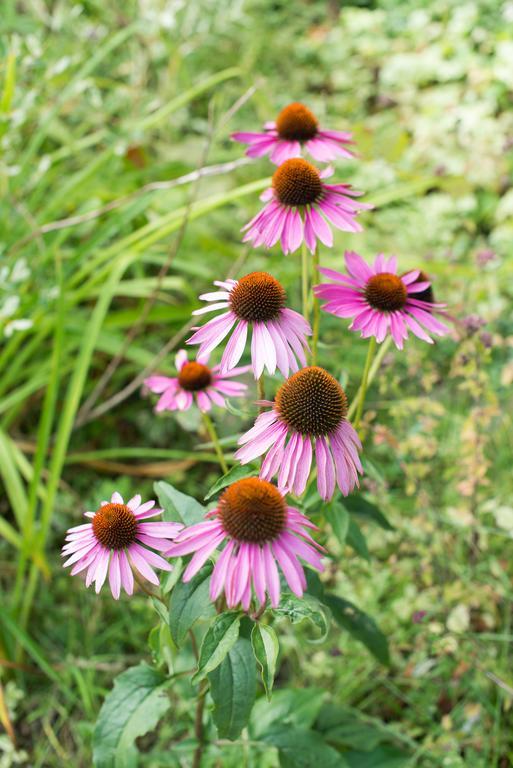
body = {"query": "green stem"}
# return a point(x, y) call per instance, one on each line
point(209, 426)
point(304, 279)
point(365, 381)
point(316, 310)
point(376, 363)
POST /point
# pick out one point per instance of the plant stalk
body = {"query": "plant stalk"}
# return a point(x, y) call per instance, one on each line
point(365, 381)
point(316, 309)
point(209, 426)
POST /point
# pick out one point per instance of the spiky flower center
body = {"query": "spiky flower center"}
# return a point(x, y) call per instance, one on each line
point(258, 297)
point(115, 526)
point(386, 292)
point(194, 376)
point(296, 123)
point(312, 402)
point(297, 182)
point(252, 510)
point(427, 294)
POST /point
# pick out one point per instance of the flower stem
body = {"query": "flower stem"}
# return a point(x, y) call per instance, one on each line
point(209, 426)
point(372, 373)
point(304, 279)
point(365, 381)
point(198, 725)
point(316, 310)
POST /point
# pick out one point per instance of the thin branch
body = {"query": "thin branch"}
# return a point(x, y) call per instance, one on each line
point(154, 186)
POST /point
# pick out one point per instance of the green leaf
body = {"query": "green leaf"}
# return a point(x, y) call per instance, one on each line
point(161, 609)
point(189, 602)
point(338, 517)
point(361, 626)
point(178, 506)
point(346, 729)
point(358, 505)
point(233, 689)
point(299, 748)
point(133, 707)
point(221, 636)
point(386, 756)
point(235, 473)
point(266, 648)
point(297, 708)
point(356, 540)
point(308, 607)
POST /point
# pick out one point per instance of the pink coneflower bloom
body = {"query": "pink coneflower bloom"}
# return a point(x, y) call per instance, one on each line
point(296, 126)
point(196, 382)
point(380, 301)
point(309, 408)
point(297, 206)
point(118, 540)
point(260, 532)
point(257, 301)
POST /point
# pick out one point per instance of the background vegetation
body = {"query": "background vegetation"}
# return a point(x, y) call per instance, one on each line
point(103, 106)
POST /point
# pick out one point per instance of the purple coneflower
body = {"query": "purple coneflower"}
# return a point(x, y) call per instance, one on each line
point(260, 532)
point(296, 126)
point(297, 206)
point(118, 540)
point(255, 301)
point(380, 301)
point(195, 382)
point(309, 408)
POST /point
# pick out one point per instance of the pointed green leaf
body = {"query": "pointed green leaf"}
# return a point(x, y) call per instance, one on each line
point(233, 689)
point(235, 473)
point(221, 636)
point(133, 707)
point(357, 541)
point(189, 602)
point(359, 625)
point(300, 748)
point(266, 647)
point(338, 517)
point(358, 505)
point(178, 506)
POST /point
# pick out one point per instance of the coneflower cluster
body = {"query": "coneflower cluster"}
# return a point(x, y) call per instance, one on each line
point(253, 533)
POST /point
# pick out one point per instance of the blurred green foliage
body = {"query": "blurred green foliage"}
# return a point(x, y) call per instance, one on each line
point(99, 99)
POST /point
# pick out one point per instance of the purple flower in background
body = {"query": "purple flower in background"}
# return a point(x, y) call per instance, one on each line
point(379, 300)
point(196, 382)
point(296, 127)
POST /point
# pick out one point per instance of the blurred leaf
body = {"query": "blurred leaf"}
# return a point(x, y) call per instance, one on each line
point(221, 636)
point(237, 472)
point(178, 506)
point(132, 708)
point(298, 708)
point(361, 626)
point(189, 602)
point(266, 648)
point(346, 729)
point(303, 749)
point(385, 756)
point(338, 517)
point(358, 505)
point(233, 689)
point(357, 541)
